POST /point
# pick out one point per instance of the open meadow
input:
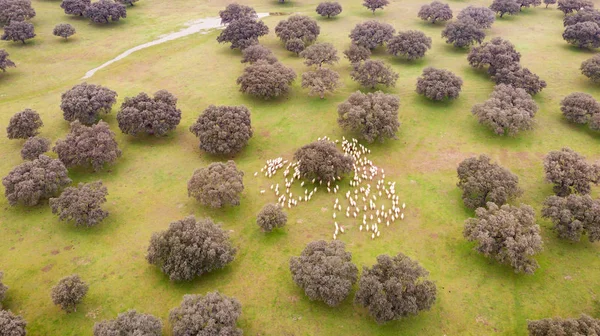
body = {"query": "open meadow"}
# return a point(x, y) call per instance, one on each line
point(147, 186)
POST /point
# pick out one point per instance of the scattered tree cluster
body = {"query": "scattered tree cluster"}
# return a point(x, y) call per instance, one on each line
point(257, 52)
point(374, 5)
point(217, 185)
point(104, 11)
point(211, 314)
point(483, 16)
point(266, 80)
point(15, 11)
point(18, 31)
point(435, 12)
point(82, 204)
point(5, 62)
point(325, 271)
point(410, 44)
point(33, 181)
point(24, 124)
point(75, 7)
point(329, 9)
point(69, 292)
point(581, 108)
point(508, 111)
point(85, 102)
point(482, 181)
point(223, 130)
point(357, 54)
point(190, 248)
point(323, 161)
point(574, 216)
point(130, 323)
point(570, 173)
point(153, 116)
point(63, 30)
point(371, 34)
point(506, 233)
point(502, 7)
point(439, 84)
point(395, 287)
point(296, 29)
point(271, 217)
point(243, 32)
point(584, 325)
point(463, 33)
point(34, 147)
point(371, 73)
point(11, 324)
point(320, 81)
point(235, 12)
point(92, 146)
point(372, 115)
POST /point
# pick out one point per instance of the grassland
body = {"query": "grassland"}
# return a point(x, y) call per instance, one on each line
point(147, 185)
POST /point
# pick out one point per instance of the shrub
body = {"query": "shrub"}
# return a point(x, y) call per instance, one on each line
point(34, 147)
point(519, 77)
point(569, 172)
point(153, 116)
point(217, 185)
point(591, 68)
point(85, 102)
point(265, 80)
point(11, 324)
point(69, 292)
point(257, 52)
point(324, 271)
point(439, 84)
point(574, 216)
point(223, 130)
point(271, 217)
point(585, 325)
point(190, 248)
point(211, 314)
point(81, 204)
point(494, 55)
point(323, 161)
point(129, 323)
point(579, 107)
point(372, 115)
point(63, 30)
point(24, 124)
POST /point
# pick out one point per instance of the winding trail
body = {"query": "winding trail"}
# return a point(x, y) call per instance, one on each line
point(196, 26)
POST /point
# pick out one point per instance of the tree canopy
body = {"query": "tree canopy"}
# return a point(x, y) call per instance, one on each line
point(372, 115)
point(217, 185)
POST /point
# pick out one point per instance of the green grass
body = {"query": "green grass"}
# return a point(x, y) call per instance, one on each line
point(147, 185)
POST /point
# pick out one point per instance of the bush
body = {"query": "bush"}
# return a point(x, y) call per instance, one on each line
point(502, 7)
point(298, 27)
point(257, 52)
point(320, 81)
point(371, 73)
point(212, 314)
point(483, 16)
point(190, 248)
point(92, 146)
point(243, 33)
point(223, 130)
point(324, 271)
point(585, 325)
point(323, 161)
point(574, 216)
point(371, 34)
point(153, 116)
point(5, 62)
point(508, 111)
point(463, 33)
point(329, 9)
point(235, 12)
point(104, 11)
point(372, 115)
point(569, 172)
point(75, 7)
point(24, 124)
point(439, 84)
point(69, 292)
point(482, 181)
point(271, 217)
point(494, 55)
point(410, 44)
point(519, 77)
point(81, 204)
point(508, 234)
point(15, 11)
point(435, 12)
point(34, 147)
point(319, 54)
point(11, 324)
point(85, 102)
point(130, 323)
point(579, 107)
point(33, 181)
point(374, 5)
point(18, 31)
point(265, 80)
point(217, 185)
point(63, 30)
point(356, 54)
point(394, 288)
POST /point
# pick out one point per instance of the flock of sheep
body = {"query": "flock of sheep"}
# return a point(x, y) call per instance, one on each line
point(362, 198)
